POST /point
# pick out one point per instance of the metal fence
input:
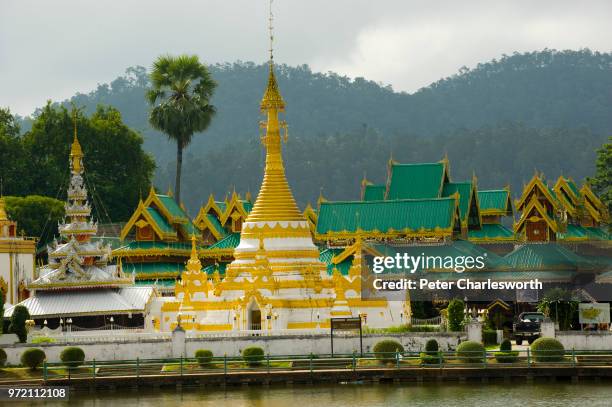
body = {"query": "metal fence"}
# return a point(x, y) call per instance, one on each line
point(311, 363)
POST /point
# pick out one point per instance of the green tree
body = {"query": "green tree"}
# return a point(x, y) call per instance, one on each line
point(456, 315)
point(561, 306)
point(602, 182)
point(180, 102)
point(18, 322)
point(13, 171)
point(35, 215)
point(117, 170)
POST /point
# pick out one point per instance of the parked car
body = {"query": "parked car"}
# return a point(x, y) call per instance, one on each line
point(527, 327)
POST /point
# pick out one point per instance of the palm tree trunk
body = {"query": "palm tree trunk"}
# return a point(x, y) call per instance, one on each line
point(179, 166)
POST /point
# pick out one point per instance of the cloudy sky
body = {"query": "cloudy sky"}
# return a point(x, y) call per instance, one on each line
point(51, 49)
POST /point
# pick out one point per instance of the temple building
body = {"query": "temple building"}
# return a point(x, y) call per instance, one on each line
point(17, 259)
point(155, 242)
point(277, 279)
point(79, 285)
point(561, 213)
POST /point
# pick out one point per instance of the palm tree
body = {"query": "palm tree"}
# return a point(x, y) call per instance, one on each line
point(181, 88)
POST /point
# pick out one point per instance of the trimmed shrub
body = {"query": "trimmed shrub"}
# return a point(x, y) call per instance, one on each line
point(2, 357)
point(489, 337)
point(505, 346)
point(18, 322)
point(471, 352)
point(506, 357)
point(72, 356)
point(547, 350)
point(204, 357)
point(456, 315)
point(385, 350)
point(253, 355)
point(33, 358)
point(432, 347)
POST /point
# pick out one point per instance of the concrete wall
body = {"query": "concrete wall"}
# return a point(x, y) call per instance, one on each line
point(274, 345)
point(590, 340)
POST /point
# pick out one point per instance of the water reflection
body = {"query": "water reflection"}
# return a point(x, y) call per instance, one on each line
point(359, 395)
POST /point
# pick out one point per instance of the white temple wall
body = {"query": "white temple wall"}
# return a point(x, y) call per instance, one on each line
point(276, 345)
point(376, 317)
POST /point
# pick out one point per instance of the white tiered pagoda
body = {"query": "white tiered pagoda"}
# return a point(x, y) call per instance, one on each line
point(79, 282)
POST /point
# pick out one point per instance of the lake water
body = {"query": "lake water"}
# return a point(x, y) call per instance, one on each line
point(361, 395)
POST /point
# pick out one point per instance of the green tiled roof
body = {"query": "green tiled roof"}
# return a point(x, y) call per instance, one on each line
point(491, 231)
point(160, 221)
point(326, 257)
point(172, 207)
point(415, 181)
point(598, 233)
point(190, 228)
point(228, 242)
point(164, 283)
point(247, 205)
point(214, 221)
point(573, 187)
point(465, 190)
point(211, 269)
point(494, 200)
point(546, 256)
point(374, 193)
point(574, 232)
point(151, 268)
point(385, 216)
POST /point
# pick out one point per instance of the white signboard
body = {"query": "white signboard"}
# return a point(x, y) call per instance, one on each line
point(594, 313)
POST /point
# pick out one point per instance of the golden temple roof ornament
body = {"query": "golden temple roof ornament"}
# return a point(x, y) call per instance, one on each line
point(76, 152)
point(193, 264)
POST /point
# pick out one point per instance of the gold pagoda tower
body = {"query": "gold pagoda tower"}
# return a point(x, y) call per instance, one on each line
point(275, 230)
point(277, 280)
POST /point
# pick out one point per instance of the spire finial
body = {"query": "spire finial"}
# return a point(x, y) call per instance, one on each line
point(271, 31)
point(74, 122)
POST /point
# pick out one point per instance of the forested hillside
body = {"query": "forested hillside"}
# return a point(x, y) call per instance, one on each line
point(548, 110)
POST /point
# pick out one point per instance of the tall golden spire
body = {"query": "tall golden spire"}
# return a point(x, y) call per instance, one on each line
point(76, 153)
point(275, 200)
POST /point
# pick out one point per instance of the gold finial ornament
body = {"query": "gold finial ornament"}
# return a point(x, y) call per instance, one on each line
point(76, 152)
point(193, 264)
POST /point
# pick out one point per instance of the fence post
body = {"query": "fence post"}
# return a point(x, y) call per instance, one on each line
point(528, 358)
point(137, 367)
point(225, 364)
point(93, 366)
point(311, 355)
point(268, 362)
point(45, 370)
point(181, 365)
point(574, 357)
point(397, 360)
point(484, 358)
point(354, 361)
